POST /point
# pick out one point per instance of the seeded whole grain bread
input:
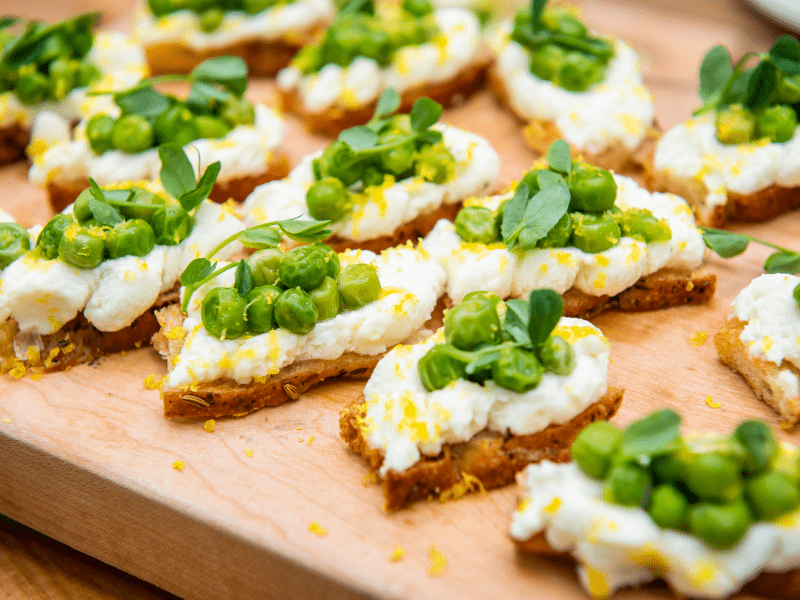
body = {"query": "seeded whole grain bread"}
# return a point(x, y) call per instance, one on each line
point(760, 374)
point(488, 460)
point(62, 194)
point(337, 118)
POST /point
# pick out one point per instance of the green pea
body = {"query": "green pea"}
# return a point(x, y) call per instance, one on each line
point(265, 265)
point(53, 47)
point(668, 468)
point(714, 476)
point(517, 370)
point(592, 189)
point(82, 247)
point(372, 176)
point(177, 124)
point(720, 526)
point(546, 61)
point(14, 242)
point(418, 8)
point(796, 294)
point(668, 507)
point(295, 311)
point(399, 159)
point(476, 224)
point(132, 134)
point(32, 87)
point(337, 161)
point(328, 199)
point(222, 313)
point(472, 323)
point(87, 74)
point(345, 39)
point(50, 236)
point(759, 443)
point(303, 267)
point(238, 111)
point(557, 355)
point(772, 494)
point(130, 238)
point(641, 224)
point(777, 123)
point(568, 24)
point(578, 72)
point(80, 208)
point(160, 7)
point(358, 285)
point(331, 259)
point(326, 299)
point(260, 310)
point(256, 6)
point(211, 19)
point(595, 447)
point(594, 233)
point(211, 128)
point(558, 237)
point(788, 90)
point(141, 204)
point(735, 125)
point(171, 225)
point(434, 163)
point(62, 77)
point(626, 484)
point(439, 367)
point(98, 132)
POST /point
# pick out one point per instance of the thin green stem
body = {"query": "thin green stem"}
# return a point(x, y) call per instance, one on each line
point(192, 288)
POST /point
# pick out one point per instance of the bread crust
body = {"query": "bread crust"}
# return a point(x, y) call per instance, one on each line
point(14, 139)
point(760, 374)
point(337, 118)
point(488, 458)
point(62, 194)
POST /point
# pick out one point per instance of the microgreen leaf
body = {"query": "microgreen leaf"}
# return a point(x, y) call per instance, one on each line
point(761, 87)
point(97, 192)
point(306, 231)
point(544, 210)
point(6, 22)
point(654, 435)
point(546, 308)
point(105, 214)
point(715, 71)
point(228, 71)
point(192, 199)
point(177, 174)
point(266, 237)
point(558, 157)
point(203, 95)
point(537, 8)
point(387, 103)
point(783, 262)
point(196, 271)
point(547, 178)
point(785, 53)
point(425, 113)
point(515, 322)
point(758, 441)
point(143, 101)
point(359, 138)
point(513, 212)
point(725, 243)
point(243, 279)
point(484, 359)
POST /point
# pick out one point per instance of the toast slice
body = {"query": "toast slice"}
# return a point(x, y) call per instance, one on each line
point(486, 461)
point(760, 374)
point(14, 139)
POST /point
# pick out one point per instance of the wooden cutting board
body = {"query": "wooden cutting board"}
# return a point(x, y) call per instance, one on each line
point(87, 458)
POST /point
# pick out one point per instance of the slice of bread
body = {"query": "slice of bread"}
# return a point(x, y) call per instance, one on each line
point(488, 460)
point(14, 139)
point(338, 118)
point(760, 374)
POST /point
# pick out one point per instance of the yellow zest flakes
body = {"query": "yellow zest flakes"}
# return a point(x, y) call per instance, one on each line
point(371, 477)
point(129, 276)
point(248, 452)
point(32, 354)
point(311, 439)
point(564, 258)
point(631, 124)
point(299, 428)
point(649, 556)
point(43, 299)
point(209, 425)
point(468, 483)
point(599, 281)
point(18, 370)
point(702, 573)
point(301, 439)
point(553, 507)
point(260, 379)
point(698, 338)
point(175, 333)
point(151, 383)
point(634, 255)
point(438, 562)
point(48, 362)
point(178, 465)
point(36, 376)
point(6, 420)
point(787, 521)
point(543, 268)
point(317, 529)
point(523, 504)
point(397, 554)
point(229, 207)
point(766, 344)
point(603, 261)
point(711, 403)
point(597, 583)
point(573, 333)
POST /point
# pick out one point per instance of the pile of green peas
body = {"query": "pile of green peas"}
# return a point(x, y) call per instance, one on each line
point(565, 65)
point(293, 290)
point(777, 123)
point(366, 34)
point(14, 242)
point(340, 167)
point(474, 325)
point(713, 491)
point(180, 123)
point(592, 224)
point(211, 12)
point(80, 240)
point(60, 67)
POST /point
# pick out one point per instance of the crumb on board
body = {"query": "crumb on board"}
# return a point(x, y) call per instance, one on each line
point(397, 554)
point(209, 425)
point(311, 439)
point(6, 420)
point(248, 451)
point(299, 428)
point(371, 477)
point(698, 338)
point(178, 465)
point(317, 529)
point(438, 562)
point(711, 403)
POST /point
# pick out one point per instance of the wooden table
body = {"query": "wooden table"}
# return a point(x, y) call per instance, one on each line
point(672, 36)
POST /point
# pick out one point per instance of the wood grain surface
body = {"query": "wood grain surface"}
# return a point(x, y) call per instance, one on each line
point(86, 457)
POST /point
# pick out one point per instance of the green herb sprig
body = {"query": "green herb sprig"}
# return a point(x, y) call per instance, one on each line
point(727, 245)
point(30, 45)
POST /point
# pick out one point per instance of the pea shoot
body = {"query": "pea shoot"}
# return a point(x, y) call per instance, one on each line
point(211, 12)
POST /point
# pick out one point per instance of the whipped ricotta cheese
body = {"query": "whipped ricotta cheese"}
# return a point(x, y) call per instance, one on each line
point(516, 273)
point(122, 64)
point(183, 26)
point(616, 111)
point(457, 47)
point(691, 150)
point(618, 546)
point(385, 208)
point(43, 295)
point(411, 283)
point(245, 150)
point(405, 421)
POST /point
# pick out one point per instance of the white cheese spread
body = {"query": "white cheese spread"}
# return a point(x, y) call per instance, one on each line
point(405, 421)
point(691, 150)
point(43, 295)
point(411, 284)
point(245, 151)
point(182, 27)
point(361, 82)
point(493, 268)
point(616, 111)
point(121, 63)
point(618, 546)
point(385, 208)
